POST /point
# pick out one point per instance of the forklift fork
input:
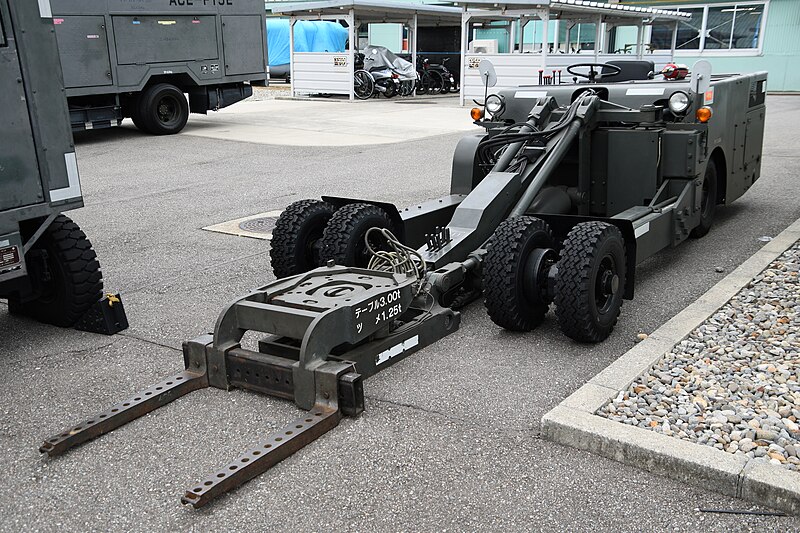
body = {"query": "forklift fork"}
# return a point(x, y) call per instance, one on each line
point(330, 329)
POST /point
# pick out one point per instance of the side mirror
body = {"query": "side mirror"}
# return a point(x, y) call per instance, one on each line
point(701, 77)
point(488, 74)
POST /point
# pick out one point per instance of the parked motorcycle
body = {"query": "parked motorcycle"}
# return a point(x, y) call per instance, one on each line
point(379, 70)
point(435, 78)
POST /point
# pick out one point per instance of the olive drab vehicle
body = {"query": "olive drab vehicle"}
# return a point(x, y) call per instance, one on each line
point(552, 206)
point(139, 60)
point(48, 269)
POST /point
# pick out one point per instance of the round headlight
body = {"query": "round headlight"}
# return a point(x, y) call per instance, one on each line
point(494, 104)
point(679, 103)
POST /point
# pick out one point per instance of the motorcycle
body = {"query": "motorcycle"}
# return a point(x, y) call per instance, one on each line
point(435, 78)
point(379, 70)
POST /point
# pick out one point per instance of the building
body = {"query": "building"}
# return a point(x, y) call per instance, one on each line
point(737, 37)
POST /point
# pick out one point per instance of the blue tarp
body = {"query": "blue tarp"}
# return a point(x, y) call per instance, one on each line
point(309, 36)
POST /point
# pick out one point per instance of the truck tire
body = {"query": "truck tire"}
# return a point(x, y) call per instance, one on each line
point(343, 240)
point(509, 299)
point(590, 282)
point(296, 239)
point(162, 109)
point(76, 281)
point(708, 206)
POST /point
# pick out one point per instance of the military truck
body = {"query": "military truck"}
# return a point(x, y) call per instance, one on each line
point(138, 59)
point(48, 269)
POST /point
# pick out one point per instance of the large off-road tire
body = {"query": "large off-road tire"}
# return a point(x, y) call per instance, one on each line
point(708, 206)
point(162, 109)
point(296, 239)
point(76, 282)
point(343, 240)
point(510, 299)
point(590, 282)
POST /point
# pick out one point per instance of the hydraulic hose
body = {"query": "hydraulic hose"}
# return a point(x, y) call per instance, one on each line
point(552, 162)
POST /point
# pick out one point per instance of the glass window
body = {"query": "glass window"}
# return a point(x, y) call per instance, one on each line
point(689, 30)
point(727, 27)
point(747, 22)
point(719, 27)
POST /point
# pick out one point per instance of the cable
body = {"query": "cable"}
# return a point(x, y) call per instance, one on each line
point(490, 148)
point(399, 259)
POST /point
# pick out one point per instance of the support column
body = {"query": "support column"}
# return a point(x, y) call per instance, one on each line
point(512, 32)
point(413, 47)
point(545, 37)
point(598, 38)
point(523, 21)
point(465, 18)
point(639, 40)
point(674, 41)
point(292, 20)
point(351, 54)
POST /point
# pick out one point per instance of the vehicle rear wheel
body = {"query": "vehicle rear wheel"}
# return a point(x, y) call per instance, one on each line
point(518, 256)
point(75, 282)
point(590, 282)
point(708, 203)
point(391, 89)
point(297, 237)
point(436, 83)
point(343, 240)
point(163, 109)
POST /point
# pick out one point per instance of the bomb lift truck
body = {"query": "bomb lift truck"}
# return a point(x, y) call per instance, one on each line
point(48, 269)
point(566, 191)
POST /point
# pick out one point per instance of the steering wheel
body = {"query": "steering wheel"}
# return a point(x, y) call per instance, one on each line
point(593, 74)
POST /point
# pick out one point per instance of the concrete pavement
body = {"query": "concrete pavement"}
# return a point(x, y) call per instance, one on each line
point(449, 439)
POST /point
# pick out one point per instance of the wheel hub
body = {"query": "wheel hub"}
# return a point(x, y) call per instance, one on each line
point(610, 283)
point(537, 270)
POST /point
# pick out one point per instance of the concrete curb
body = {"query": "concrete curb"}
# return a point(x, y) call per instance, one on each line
point(573, 422)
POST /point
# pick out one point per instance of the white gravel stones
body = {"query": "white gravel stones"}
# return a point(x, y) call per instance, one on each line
point(734, 382)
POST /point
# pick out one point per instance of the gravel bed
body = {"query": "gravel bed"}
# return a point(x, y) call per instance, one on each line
point(734, 382)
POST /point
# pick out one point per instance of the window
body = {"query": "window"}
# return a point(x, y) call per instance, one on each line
point(712, 28)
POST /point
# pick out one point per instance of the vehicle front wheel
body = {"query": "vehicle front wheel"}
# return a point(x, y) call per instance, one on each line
point(708, 202)
point(73, 282)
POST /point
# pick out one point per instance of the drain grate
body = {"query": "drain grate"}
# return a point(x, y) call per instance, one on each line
point(259, 225)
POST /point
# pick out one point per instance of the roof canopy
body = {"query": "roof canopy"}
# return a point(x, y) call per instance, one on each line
point(374, 11)
point(567, 9)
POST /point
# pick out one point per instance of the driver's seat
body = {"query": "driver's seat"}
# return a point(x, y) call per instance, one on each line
point(629, 70)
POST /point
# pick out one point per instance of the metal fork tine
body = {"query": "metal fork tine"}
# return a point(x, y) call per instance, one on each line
point(139, 405)
point(265, 455)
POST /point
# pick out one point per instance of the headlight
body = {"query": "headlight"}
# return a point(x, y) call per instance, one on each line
point(494, 104)
point(679, 103)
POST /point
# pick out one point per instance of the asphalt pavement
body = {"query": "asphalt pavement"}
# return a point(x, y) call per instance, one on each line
point(450, 437)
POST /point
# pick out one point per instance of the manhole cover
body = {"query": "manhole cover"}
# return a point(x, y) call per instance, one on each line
point(259, 225)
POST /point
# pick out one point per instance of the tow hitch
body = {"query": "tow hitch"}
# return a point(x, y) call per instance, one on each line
point(329, 329)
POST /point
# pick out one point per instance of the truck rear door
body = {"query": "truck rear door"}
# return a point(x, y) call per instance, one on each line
point(19, 169)
point(83, 47)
